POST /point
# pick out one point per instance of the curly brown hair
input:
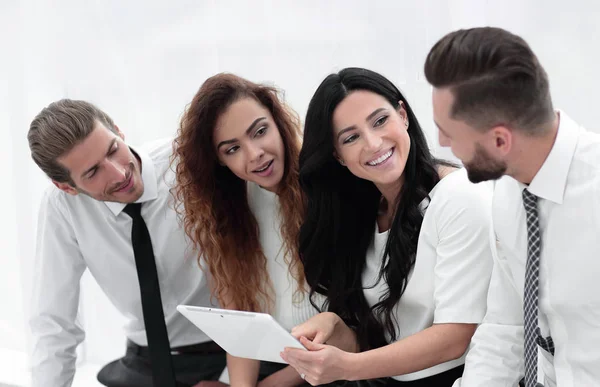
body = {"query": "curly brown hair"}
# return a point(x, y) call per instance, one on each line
point(212, 201)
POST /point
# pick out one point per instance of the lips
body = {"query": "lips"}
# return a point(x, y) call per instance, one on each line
point(263, 167)
point(126, 184)
point(381, 158)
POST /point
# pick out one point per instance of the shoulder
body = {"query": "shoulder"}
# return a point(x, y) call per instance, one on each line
point(55, 200)
point(57, 207)
point(456, 191)
point(586, 158)
point(160, 151)
point(456, 203)
point(583, 182)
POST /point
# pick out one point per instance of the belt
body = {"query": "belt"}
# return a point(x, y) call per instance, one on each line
point(207, 348)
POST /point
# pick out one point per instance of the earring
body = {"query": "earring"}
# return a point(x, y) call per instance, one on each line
point(342, 162)
point(406, 123)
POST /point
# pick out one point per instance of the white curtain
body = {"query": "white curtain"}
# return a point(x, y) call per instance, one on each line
point(142, 61)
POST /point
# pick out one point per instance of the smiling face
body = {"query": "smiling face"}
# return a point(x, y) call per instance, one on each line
point(370, 138)
point(103, 167)
point(248, 142)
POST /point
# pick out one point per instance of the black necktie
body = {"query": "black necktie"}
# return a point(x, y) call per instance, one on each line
point(154, 318)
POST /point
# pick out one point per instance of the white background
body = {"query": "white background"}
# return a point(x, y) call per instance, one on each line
point(142, 61)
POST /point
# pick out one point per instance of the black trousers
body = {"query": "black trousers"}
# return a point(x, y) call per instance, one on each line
point(191, 364)
point(267, 368)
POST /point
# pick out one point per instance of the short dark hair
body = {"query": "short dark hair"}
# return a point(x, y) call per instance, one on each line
point(57, 129)
point(495, 79)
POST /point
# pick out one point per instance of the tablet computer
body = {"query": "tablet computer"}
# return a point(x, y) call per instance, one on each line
point(243, 334)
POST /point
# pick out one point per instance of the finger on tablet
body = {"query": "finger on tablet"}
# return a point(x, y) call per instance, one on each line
point(302, 330)
point(311, 345)
point(319, 338)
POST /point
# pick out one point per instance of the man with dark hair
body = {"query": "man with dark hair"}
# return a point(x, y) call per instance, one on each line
point(110, 211)
point(492, 106)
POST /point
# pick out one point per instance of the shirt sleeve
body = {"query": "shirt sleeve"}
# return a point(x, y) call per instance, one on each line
point(464, 262)
point(495, 357)
point(58, 268)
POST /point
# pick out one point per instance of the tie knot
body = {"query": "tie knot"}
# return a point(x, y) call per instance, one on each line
point(133, 209)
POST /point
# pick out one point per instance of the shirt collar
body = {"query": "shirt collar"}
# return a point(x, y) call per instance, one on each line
point(148, 178)
point(550, 181)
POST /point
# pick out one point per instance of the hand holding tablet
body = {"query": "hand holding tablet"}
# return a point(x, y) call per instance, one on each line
point(242, 334)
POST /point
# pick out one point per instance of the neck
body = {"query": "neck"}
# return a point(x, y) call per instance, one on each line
point(390, 194)
point(138, 159)
point(276, 189)
point(533, 152)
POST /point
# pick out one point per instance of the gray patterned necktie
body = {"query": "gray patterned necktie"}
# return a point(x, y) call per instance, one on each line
point(530, 302)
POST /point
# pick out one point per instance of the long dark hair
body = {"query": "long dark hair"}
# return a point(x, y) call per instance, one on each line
point(212, 201)
point(342, 212)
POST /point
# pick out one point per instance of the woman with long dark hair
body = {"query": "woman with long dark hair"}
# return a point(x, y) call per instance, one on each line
point(396, 240)
point(236, 162)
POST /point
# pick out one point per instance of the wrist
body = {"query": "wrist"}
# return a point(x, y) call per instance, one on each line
point(336, 321)
point(351, 366)
point(345, 334)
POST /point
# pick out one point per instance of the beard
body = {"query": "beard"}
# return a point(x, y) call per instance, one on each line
point(483, 167)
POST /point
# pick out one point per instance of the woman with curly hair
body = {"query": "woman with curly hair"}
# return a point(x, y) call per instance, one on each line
point(237, 190)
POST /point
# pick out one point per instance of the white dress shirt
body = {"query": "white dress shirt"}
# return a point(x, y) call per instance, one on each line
point(78, 232)
point(291, 307)
point(568, 187)
point(449, 281)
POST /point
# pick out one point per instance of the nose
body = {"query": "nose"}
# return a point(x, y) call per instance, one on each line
point(255, 153)
point(118, 171)
point(372, 140)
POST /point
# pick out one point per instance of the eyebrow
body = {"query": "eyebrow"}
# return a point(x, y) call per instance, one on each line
point(112, 143)
point(369, 117)
point(234, 140)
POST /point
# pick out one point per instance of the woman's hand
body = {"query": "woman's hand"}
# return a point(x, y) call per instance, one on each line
point(319, 328)
point(327, 328)
point(321, 364)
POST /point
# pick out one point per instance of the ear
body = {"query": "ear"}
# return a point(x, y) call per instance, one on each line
point(338, 158)
point(66, 187)
point(119, 133)
point(402, 112)
point(502, 138)
point(219, 160)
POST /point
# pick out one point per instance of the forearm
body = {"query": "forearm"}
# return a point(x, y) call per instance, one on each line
point(343, 337)
point(53, 354)
point(432, 346)
point(242, 372)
